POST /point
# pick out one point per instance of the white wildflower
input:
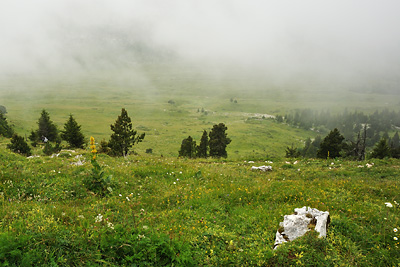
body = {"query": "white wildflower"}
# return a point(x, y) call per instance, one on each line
point(388, 204)
point(127, 198)
point(395, 238)
point(99, 218)
point(395, 230)
point(110, 225)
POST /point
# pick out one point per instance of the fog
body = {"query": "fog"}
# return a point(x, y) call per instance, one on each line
point(348, 41)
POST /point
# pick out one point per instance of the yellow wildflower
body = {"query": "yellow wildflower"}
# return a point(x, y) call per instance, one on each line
point(93, 147)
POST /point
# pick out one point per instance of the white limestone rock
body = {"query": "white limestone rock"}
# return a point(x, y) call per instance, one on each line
point(262, 168)
point(303, 220)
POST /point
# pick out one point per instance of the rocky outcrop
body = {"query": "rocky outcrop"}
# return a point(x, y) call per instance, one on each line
point(303, 220)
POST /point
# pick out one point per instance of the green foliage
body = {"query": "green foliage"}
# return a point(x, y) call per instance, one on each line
point(49, 149)
point(292, 152)
point(72, 133)
point(188, 148)
point(3, 109)
point(5, 129)
point(18, 145)
point(47, 128)
point(332, 145)
point(381, 150)
point(203, 147)
point(97, 181)
point(104, 148)
point(219, 141)
point(124, 137)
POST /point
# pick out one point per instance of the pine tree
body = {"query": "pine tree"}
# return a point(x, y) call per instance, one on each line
point(3, 109)
point(18, 145)
point(218, 141)
point(5, 128)
point(395, 146)
point(332, 145)
point(124, 137)
point(202, 148)
point(292, 152)
point(381, 150)
point(47, 129)
point(188, 148)
point(72, 133)
point(395, 141)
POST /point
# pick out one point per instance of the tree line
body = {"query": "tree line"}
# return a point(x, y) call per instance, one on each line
point(350, 124)
point(47, 134)
point(335, 145)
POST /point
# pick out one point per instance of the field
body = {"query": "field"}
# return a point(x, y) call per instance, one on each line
point(164, 210)
point(169, 211)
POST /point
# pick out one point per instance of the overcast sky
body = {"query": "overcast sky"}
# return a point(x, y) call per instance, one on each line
point(342, 39)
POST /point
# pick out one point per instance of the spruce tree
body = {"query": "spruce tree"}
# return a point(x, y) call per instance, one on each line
point(3, 109)
point(395, 146)
point(202, 148)
point(72, 133)
point(381, 149)
point(292, 152)
point(124, 137)
point(5, 128)
point(18, 145)
point(218, 141)
point(47, 130)
point(332, 145)
point(188, 148)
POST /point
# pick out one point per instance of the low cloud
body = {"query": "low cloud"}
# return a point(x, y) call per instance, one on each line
point(328, 41)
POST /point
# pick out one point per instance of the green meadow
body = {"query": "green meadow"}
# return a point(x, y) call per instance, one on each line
point(167, 211)
point(179, 212)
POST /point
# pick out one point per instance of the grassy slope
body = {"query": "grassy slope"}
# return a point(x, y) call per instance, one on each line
point(202, 212)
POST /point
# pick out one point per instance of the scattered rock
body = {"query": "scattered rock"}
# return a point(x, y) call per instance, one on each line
point(303, 220)
point(78, 163)
point(263, 168)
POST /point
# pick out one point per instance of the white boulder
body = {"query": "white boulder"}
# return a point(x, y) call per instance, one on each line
point(263, 168)
point(303, 220)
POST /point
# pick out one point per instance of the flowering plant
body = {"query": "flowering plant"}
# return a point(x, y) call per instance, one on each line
point(96, 182)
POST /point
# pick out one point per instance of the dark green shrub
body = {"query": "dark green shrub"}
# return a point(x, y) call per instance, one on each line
point(18, 145)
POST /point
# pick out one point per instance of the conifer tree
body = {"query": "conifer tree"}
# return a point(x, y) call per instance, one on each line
point(72, 133)
point(381, 149)
point(395, 146)
point(292, 152)
point(124, 137)
point(332, 145)
point(18, 145)
point(202, 148)
point(218, 141)
point(47, 130)
point(5, 128)
point(188, 148)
